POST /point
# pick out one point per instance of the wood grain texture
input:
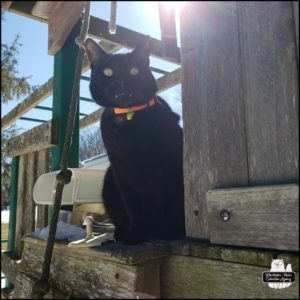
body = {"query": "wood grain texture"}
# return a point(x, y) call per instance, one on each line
point(117, 252)
point(38, 95)
point(42, 168)
point(44, 9)
point(29, 209)
point(73, 272)
point(213, 113)
point(98, 28)
point(20, 216)
point(61, 22)
point(248, 256)
point(265, 217)
point(296, 18)
point(271, 91)
point(6, 4)
point(38, 138)
point(184, 277)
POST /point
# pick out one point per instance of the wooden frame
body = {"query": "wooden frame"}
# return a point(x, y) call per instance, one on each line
point(264, 217)
point(41, 137)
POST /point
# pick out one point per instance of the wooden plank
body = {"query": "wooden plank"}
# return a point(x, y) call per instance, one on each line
point(167, 28)
point(38, 138)
point(29, 205)
point(24, 8)
point(213, 113)
point(61, 22)
point(169, 80)
point(39, 95)
point(21, 203)
point(184, 277)
point(270, 91)
point(6, 4)
point(296, 18)
point(101, 278)
point(163, 83)
point(91, 118)
point(8, 265)
point(42, 168)
point(44, 9)
point(128, 38)
point(254, 257)
point(117, 253)
point(265, 217)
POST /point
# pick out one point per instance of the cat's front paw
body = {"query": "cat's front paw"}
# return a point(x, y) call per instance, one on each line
point(132, 237)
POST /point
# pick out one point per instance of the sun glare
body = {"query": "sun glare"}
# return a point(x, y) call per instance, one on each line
point(176, 5)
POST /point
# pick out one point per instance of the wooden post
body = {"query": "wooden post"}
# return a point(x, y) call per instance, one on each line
point(42, 167)
point(20, 230)
point(13, 203)
point(215, 152)
point(167, 29)
point(64, 70)
point(270, 91)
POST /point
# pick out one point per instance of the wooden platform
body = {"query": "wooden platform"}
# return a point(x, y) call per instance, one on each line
point(178, 269)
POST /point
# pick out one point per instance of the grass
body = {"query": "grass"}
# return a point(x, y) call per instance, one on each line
point(4, 235)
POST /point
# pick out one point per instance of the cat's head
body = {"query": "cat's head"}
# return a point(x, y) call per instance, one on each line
point(120, 80)
point(277, 264)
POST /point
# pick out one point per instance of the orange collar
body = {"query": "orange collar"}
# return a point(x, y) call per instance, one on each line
point(131, 110)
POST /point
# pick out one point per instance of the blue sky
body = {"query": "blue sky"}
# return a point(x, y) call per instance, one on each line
point(33, 60)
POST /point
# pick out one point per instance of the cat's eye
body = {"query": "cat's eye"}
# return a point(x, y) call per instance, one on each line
point(134, 71)
point(108, 72)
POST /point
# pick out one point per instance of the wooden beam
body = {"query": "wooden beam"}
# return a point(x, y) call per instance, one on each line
point(20, 230)
point(296, 18)
point(6, 4)
point(61, 22)
point(184, 277)
point(128, 38)
point(30, 102)
point(169, 80)
point(265, 217)
point(91, 119)
point(24, 8)
point(163, 83)
point(44, 9)
point(42, 168)
point(167, 28)
point(38, 138)
point(214, 131)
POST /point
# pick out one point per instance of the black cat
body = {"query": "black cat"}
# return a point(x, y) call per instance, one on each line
point(143, 187)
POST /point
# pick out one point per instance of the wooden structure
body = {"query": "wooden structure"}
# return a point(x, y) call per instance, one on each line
point(240, 112)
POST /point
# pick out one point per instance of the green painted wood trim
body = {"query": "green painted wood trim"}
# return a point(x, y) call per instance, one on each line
point(64, 70)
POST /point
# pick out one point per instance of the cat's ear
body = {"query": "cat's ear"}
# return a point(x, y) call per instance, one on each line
point(142, 51)
point(93, 51)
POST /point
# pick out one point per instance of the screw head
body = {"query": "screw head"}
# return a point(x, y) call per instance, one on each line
point(225, 215)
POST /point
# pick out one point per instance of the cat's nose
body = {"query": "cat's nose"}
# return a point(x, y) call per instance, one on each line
point(121, 85)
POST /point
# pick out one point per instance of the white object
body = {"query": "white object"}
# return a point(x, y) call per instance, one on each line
point(97, 162)
point(90, 240)
point(85, 187)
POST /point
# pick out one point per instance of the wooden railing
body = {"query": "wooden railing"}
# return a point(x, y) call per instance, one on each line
point(32, 147)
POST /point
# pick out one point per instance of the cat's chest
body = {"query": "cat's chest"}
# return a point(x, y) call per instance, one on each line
point(122, 135)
